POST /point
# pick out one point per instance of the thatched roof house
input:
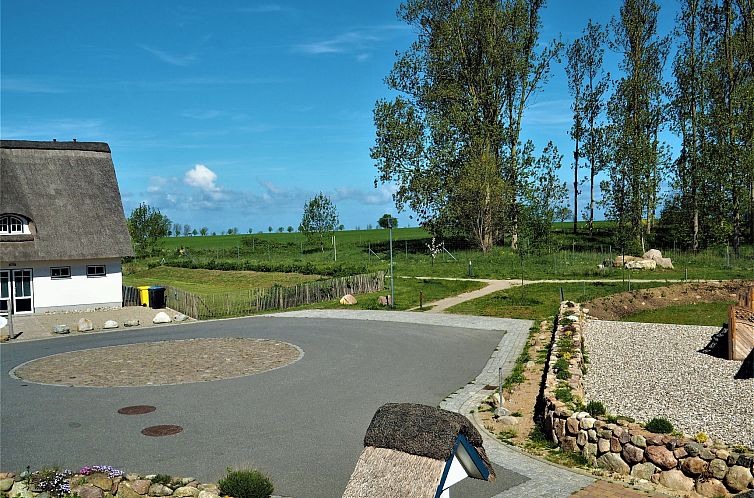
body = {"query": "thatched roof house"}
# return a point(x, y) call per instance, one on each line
point(61, 220)
point(417, 451)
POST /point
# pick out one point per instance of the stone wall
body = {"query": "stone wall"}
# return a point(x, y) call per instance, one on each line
point(105, 483)
point(680, 463)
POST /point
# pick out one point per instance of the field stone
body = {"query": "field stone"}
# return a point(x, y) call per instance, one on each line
point(614, 463)
point(102, 482)
point(126, 490)
point(131, 323)
point(710, 488)
point(693, 449)
point(85, 325)
point(6, 484)
point(88, 491)
point(592, 435)
point(674, 479)
point(61, 329)
point(603, 445)
point(718, 468)
point(694, 466)
point(643, 470)
point(569, 444)
point(738, 478)
point(572, 425)
point(186, 491)
point(661, 456)
point(639, 441)
point(706, 454)
point(207, 494)
point(110, 324)
point(157, 489)
point(581, 438)
point(161, 317)
point(180, 317)
point(20, 490)
point(632, 454)
point(615, 445)
point(587, 423)
point(141, 486)
point(348, 299)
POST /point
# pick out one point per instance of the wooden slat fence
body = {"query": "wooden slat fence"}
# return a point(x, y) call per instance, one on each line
point(277, 297)
point(130, 296)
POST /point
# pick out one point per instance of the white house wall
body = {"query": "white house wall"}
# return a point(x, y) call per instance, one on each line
point(79, 291)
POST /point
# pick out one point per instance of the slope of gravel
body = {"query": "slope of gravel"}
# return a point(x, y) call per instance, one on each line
point(647, 370)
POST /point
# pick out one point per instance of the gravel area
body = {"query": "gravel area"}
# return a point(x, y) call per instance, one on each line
point(160, 363)
point(647, 370)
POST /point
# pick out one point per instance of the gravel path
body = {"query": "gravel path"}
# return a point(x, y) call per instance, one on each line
point(649, 370)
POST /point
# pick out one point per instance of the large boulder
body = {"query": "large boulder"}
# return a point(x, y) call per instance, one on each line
point(738, 478)
point(710, 487)
point(674, 479)
point(110, 324)
point(661, 456)
point(348, 299)
point(641, 264)
point(656, 256)
point(621, 260)
point(161, 317)
point(131, 323)
point(85, 325)
point(61, 329)
point(614, 463)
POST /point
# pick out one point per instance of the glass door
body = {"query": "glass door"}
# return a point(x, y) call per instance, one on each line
point(4, 291)
point(22, 291)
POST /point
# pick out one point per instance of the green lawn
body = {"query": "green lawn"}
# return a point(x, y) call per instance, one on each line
point(567, 256)
point(712, 314)
point(538, 301)
point(204, 282)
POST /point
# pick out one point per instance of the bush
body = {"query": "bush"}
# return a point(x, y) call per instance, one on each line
point(247, 483)
point(595, 408)
point(659, 426)
point(562, 363)
point(563, 374)
point(564, 394)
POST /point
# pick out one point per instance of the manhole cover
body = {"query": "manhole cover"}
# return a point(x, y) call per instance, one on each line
point(136, 410)
point(161, 430)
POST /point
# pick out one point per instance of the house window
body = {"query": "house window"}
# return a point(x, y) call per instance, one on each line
point(12, 225)
point(58, 272)
point(95, 271)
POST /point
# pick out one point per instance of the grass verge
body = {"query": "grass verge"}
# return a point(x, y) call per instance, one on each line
point(712, 314)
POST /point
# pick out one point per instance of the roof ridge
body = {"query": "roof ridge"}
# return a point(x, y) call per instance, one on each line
point(55, 145)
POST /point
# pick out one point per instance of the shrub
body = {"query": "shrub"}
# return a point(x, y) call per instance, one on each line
point(701, 437)
point(246, 483)
point(562, 363)
point(564, 394)
point(659, 426)
point(595, 408)
point(563, 374)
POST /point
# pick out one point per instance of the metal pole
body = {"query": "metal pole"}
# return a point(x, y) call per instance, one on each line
point(392, 281)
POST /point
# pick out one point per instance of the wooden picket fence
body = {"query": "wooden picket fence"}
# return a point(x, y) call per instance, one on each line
point(130, 296)
point(741, 326)
point(250, 301)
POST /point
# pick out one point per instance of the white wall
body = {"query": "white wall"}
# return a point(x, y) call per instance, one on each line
point(79, 291)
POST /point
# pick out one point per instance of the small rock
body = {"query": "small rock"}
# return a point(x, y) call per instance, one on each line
point(187, 480)
point(592, 435)
point(710, 488)
point(738, 478)
point(615, 445)
point(643, 470)
point(207, 494)
point(61, 329)
point(674, 479)
point(126, 490)
point(161, 317)
point(706, 454)
point(383, 300)
point(722, 454)
point(693, 449)
point(614, 463)
point(680, 453)
point(745, 460)
point(572, 425)
point(88, 491)
point(20, 490)
point(102, 482)
point(603, 445)
point(581, 438)
point(85, 325)
point(212, 488)
point(348, 299)
point(587, 423)
point(639, 441)
point(131, 323)
point(110, 324)
point(569, 444)
point(508, 420)
point(180, 317)
point(661, 456)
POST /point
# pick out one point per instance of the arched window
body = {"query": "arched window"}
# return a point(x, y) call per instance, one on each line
point(13, 225)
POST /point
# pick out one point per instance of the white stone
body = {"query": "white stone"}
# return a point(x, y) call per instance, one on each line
point(348, 299)
point(85, 325)
point(161, 317)
point(180, 317)
point(642, 264)
point(110, 324)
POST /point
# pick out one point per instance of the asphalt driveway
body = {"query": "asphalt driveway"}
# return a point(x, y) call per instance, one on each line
point(303, 424)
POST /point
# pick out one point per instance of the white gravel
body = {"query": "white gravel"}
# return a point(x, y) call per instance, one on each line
point(648, 370)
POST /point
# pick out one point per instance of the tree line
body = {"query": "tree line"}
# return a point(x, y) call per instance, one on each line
point(452, 141)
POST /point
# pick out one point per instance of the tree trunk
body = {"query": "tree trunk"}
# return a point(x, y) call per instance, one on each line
point(576, 188)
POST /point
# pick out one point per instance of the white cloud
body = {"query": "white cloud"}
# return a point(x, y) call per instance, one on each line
point(156, 183)
point(202, 178)
point(175, 60)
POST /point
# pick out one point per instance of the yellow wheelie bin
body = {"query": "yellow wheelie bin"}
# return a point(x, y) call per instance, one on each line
point(144, 295)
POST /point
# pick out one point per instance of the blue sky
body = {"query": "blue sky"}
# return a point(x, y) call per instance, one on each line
point(233, 114)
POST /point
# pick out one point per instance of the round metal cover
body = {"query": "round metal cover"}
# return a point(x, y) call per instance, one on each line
point(136, 410)
point(161, 430)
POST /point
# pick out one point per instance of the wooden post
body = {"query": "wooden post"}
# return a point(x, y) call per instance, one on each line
point(731, 330)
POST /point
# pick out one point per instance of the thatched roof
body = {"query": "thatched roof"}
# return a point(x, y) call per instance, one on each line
point(421, 430)
point(69, 192)
point(381, 472)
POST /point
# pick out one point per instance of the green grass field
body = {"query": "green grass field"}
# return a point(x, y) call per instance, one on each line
point(368, 250)
point(712, 314)
point(539, 301)
point(203, 282)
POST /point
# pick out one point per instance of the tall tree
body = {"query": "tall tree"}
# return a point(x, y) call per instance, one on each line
point(636, 111)
point(320, 218)
point(147, 225)
point(450, 139)
point(575, 70)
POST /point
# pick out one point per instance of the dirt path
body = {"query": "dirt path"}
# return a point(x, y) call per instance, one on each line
point(496, 285)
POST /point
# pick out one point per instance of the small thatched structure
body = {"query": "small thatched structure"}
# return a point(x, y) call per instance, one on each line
point(417, 451)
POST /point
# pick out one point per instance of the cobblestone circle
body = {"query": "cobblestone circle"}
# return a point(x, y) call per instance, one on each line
point(160, 363)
